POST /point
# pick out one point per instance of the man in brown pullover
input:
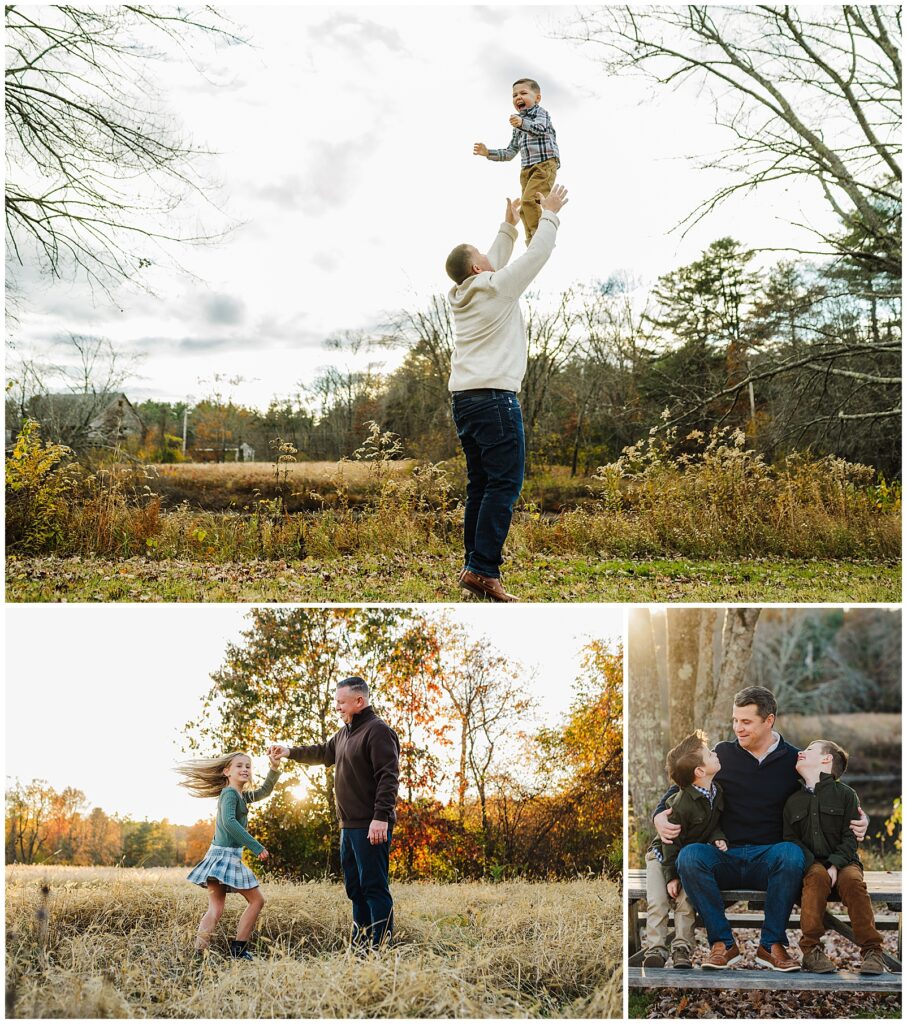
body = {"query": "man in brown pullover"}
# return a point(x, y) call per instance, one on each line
point(365, 755)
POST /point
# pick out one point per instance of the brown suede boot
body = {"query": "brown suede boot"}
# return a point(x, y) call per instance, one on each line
point(815, 961)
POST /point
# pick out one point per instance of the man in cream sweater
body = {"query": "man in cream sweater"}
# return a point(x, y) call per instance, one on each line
point(487, 368)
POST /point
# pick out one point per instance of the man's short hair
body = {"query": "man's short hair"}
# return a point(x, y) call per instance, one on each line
point(839, 756)
point(459, 263)
point(763, 699)
point(686, 757)
point(530, 82)
point(355, 683)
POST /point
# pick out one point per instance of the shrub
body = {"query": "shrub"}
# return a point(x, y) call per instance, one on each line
point(38, 484)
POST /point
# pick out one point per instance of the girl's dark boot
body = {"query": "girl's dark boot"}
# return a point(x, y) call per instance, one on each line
point(239, 950)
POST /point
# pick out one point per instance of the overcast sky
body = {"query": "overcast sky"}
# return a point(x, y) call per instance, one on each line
point(97, 697)
point(345, 155)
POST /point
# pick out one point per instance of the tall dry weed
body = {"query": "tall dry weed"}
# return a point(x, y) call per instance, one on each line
point(121, 945)
point(699, 496)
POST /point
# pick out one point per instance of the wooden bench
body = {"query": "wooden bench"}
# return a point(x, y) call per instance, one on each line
point(884, 891)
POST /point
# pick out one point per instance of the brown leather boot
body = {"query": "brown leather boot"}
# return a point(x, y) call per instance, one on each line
point(722, 956)
point(485, 586)
point(777, 958)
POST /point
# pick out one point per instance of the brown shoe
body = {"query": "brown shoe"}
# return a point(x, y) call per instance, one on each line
point(873, 962)
point(722, 956)
point(815, 961)
point(484, 586)
point(778, 959)
point(654, 959)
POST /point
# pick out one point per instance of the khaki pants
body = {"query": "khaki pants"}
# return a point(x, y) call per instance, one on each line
point(658, 906)
point(852, 890)
point(537, 178)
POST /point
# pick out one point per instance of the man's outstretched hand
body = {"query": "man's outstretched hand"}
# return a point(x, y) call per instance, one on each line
point(512, 211)
point(480, 149)
point(555, 199)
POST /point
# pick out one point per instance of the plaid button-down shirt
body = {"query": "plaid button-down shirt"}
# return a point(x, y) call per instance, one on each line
point(535, 141)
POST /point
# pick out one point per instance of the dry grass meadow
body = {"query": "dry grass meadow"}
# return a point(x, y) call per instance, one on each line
point(117, 942)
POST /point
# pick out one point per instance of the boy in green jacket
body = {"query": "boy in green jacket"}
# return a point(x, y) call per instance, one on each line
point(697, 807)
point(817, 819)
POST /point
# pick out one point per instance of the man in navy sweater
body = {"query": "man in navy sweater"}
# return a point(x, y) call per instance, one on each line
point(757, 776)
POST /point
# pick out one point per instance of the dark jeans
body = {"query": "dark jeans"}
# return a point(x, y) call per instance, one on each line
point(490, 428)
point(778, 869)
point(365, 874)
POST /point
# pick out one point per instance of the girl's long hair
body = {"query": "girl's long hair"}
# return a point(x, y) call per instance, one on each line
point(204, 776)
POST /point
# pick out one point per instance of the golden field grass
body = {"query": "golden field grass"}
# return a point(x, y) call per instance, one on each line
point(310, 486)
point(117, 942)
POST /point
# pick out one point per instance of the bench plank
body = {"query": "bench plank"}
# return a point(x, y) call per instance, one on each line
point(842, 981)
point(884, 922)
point(883, 887)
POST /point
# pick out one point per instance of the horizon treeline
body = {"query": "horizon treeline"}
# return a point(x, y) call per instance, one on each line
point(799, 355)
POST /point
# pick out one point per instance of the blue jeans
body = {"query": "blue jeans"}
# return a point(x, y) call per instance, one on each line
point(365, 875)
point(489, 425)
point(778, 869)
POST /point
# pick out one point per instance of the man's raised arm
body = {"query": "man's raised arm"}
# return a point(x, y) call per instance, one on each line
point(501, 248)
point(512, 281)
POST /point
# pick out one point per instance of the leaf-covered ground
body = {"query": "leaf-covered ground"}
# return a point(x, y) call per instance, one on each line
point(770, 1004)
point(392, 578)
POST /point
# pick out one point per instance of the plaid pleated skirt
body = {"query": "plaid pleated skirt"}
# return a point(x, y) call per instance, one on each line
point(224, 864)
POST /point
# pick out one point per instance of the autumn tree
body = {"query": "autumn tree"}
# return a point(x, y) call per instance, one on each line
point(198, 839)
point(487, 702)
point(98, 839)
point(278, 684)
point(590, 749)
point(40, 822)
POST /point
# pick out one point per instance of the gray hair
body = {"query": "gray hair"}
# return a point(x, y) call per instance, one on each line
point(355, 683)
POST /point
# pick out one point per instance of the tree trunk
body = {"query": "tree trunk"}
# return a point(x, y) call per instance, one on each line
point(461, 775)
point(710, 622)
point(736, 650)
point(644, 719)
point(683, 664)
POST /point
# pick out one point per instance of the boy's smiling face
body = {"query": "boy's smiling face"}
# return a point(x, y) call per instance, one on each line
point(524, 97)
point(813, 760)
point(710, 760)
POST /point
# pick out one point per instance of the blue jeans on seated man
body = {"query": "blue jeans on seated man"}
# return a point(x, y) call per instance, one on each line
point(489, 425)
point(778, 869)
point(365, 875)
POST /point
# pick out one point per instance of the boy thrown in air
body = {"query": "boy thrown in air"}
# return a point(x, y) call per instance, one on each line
point(535, 140)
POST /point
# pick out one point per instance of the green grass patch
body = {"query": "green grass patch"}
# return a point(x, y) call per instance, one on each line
point(432, 578)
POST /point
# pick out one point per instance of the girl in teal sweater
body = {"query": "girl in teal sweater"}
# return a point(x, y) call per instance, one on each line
point(222, 870)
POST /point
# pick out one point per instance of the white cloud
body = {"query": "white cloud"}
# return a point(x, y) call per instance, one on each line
point(345, 146)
